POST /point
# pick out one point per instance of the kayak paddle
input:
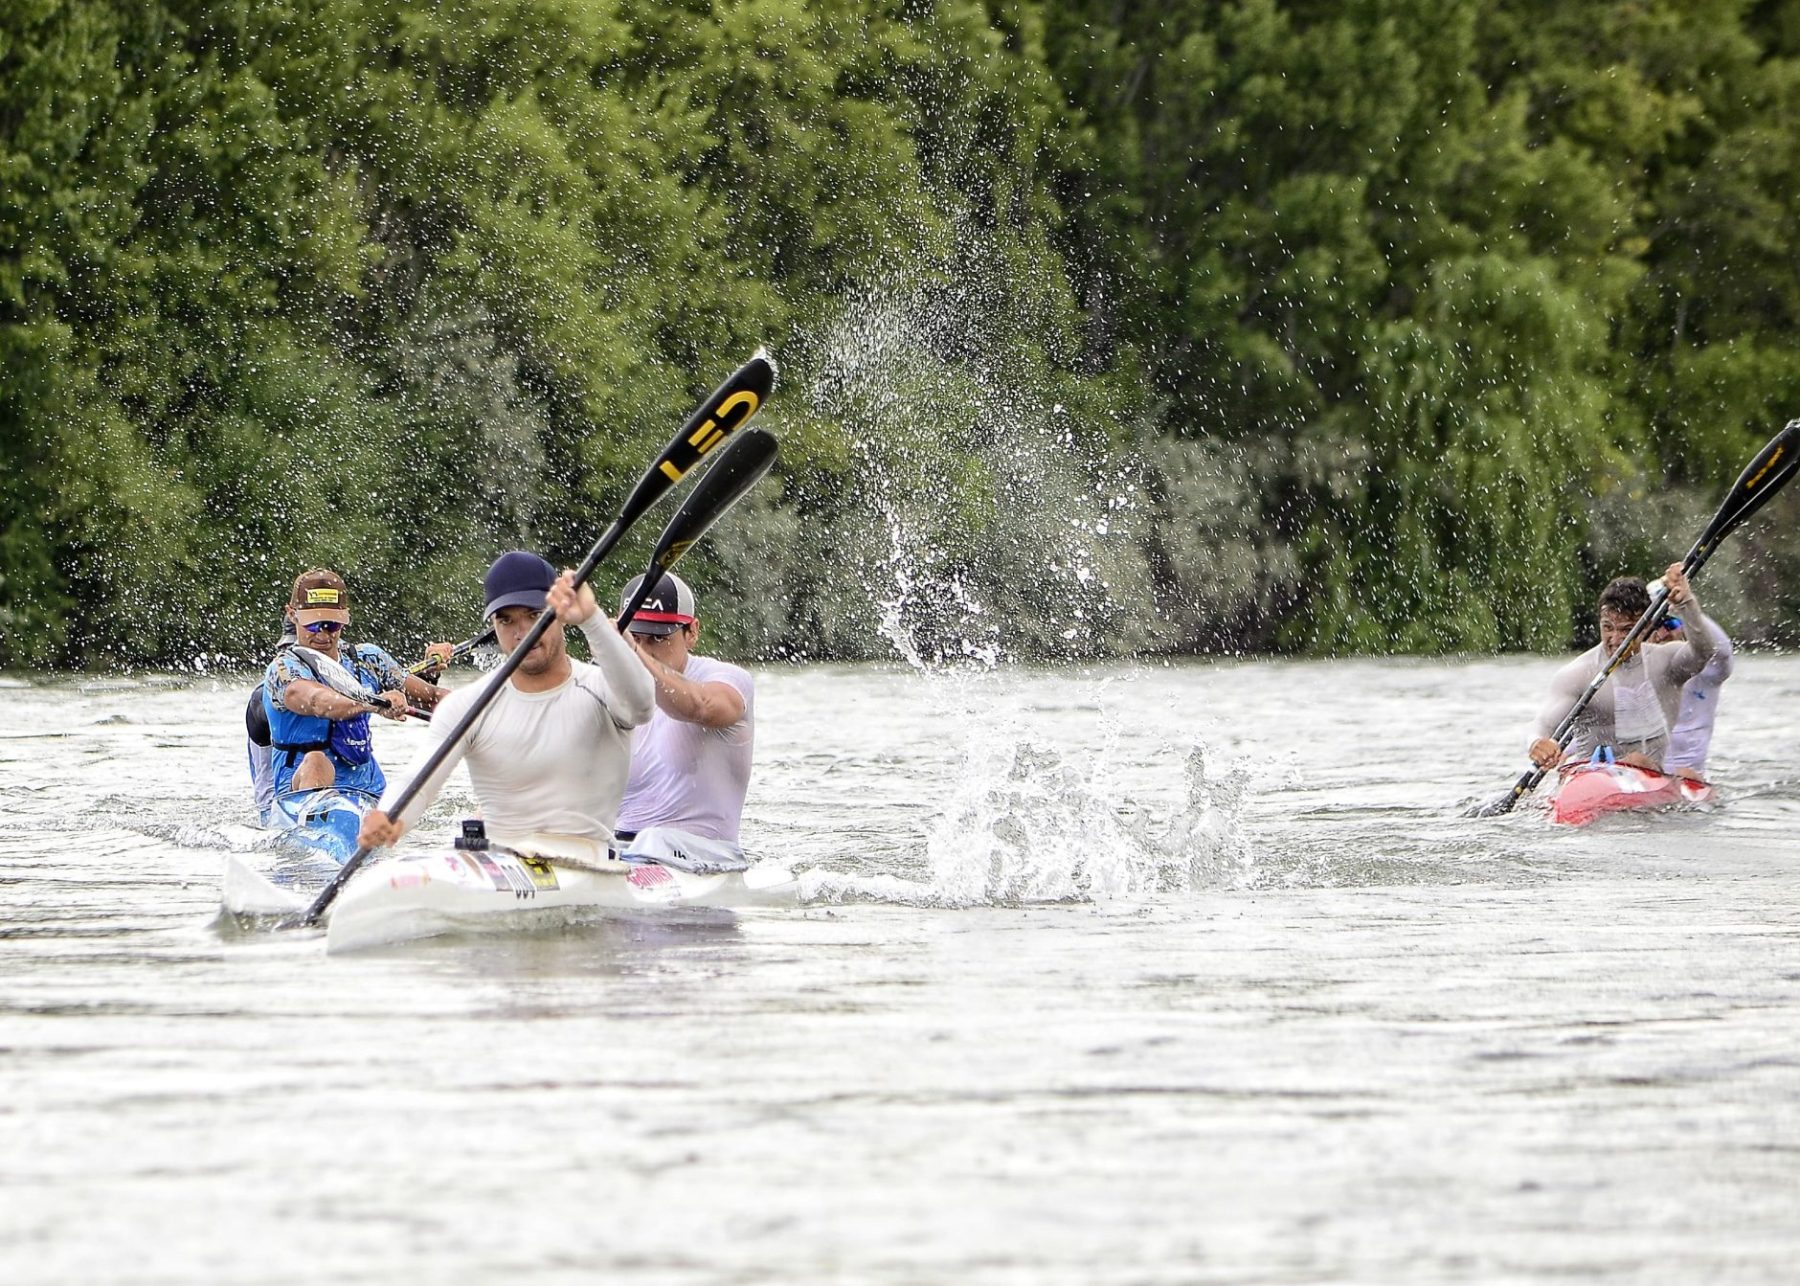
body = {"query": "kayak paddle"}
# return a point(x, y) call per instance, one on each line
point(1766, 474)
point(738, 468)
point(461, 650)
point(337, 676)
point(721, 415)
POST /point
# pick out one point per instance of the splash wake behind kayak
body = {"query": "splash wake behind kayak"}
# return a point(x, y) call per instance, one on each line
point(1591, 790)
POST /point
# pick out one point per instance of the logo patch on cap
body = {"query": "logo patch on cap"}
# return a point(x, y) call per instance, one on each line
point(324, 598)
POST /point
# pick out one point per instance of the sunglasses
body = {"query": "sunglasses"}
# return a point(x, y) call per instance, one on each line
point(329, 627)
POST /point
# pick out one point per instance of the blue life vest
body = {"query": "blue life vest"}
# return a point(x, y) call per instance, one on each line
point(351, 742)
point(347, 741)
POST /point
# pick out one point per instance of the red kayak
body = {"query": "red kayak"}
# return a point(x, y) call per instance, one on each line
point(1588, 791)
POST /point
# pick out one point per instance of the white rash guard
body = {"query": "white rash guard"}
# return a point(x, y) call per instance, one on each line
point(1636, 707)
point(1692, 736)
point(548, 762)
point(691, 777)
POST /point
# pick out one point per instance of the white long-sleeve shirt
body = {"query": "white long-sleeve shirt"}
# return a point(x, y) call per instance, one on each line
point(547, 762)
point(1636, 707)
point(1692, 735)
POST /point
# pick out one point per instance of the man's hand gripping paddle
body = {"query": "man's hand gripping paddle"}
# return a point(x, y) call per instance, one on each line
point(468, 645)
point(336, 676)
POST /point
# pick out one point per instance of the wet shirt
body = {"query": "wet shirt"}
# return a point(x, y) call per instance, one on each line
point(547, 762)
point(1691, 737)
point(1634, 709)
point(689, 776)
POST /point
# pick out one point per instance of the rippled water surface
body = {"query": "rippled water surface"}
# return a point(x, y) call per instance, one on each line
point(1145, 974)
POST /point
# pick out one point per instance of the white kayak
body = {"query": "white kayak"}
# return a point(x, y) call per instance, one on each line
point(454, 890)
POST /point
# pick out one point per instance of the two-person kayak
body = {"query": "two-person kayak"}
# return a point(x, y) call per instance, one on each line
point(1587, 791)
point(450, 888)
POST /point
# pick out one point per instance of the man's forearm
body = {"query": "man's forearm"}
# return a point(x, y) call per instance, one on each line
point(1702, 634)
point(678, 696)
point(316, 701)
point(423, 693)
point(633, 696)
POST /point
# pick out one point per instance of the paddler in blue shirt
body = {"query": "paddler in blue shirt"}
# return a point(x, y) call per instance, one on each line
point(320, 737)
point(1632, 713)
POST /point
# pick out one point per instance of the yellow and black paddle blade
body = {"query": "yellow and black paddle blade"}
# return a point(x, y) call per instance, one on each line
point(1765, 475)
point(710, 427)
point(738, 468)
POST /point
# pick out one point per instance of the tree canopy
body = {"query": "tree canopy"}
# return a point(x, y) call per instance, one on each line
point(1212, 324)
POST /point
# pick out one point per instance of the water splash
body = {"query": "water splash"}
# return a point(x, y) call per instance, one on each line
point(1001, 514)
point(999, 519)
point(1034, 824)
point(1033, 819)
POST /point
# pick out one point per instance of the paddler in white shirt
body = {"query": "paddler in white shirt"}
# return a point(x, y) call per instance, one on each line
point(1691, 738)
point(548, 758)
point(690, 764)
point(1632, 713)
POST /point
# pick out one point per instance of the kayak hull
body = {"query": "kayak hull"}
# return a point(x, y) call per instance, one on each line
point(454, 890)
point(1588, 791)
point(321, 821)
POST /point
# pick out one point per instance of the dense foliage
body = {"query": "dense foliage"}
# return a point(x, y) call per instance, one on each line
point(1290, 324)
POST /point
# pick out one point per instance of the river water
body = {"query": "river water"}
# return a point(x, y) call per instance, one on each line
point(1184, 973)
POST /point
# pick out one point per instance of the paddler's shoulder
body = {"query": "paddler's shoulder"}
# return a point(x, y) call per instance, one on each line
point(1589, 661)
point(708, 669)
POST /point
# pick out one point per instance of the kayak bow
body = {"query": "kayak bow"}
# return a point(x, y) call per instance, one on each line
point(1590, 790)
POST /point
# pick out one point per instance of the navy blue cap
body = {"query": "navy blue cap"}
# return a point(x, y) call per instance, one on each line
point(517, 579)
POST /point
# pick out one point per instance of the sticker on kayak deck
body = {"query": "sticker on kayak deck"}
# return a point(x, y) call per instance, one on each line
point(647, 877)
point(542, 874)
point(466, 863)
point(492, 870)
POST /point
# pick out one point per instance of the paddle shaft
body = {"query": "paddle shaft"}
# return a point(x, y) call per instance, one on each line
point(730, 405)
point(739, 467)
point(374, 703)
point(1766, 474)
point(456, 653)
point(322, 666)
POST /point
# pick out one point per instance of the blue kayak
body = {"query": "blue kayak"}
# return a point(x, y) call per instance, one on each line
point(322, 821)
